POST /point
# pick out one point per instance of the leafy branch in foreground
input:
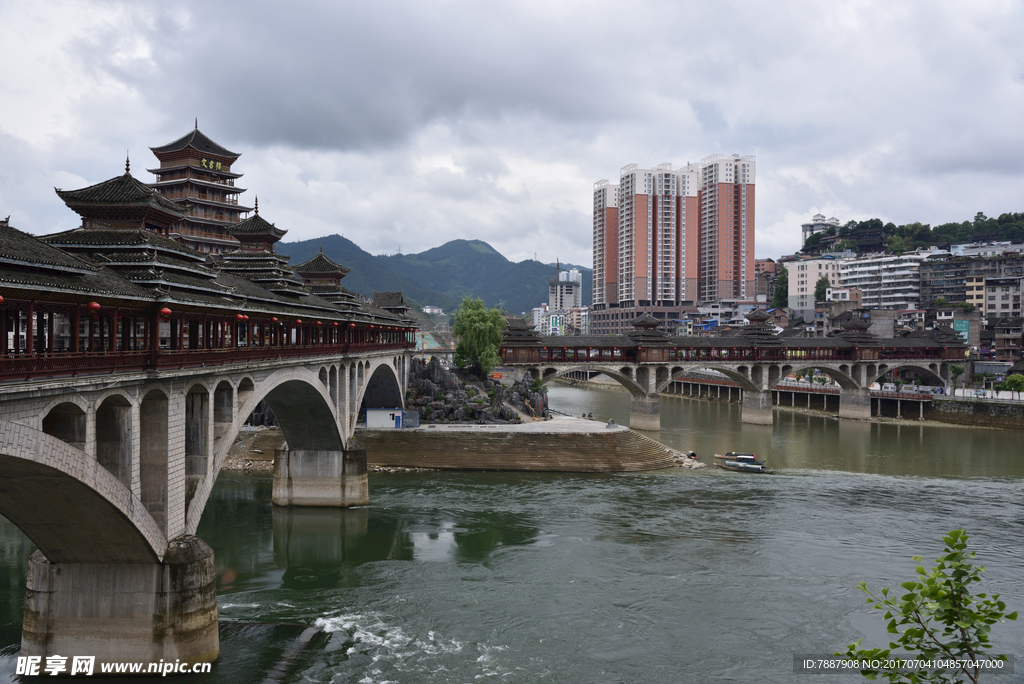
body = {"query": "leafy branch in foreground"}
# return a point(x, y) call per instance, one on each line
point(938, 619)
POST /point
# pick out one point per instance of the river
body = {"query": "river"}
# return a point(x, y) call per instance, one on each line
point(670, 576)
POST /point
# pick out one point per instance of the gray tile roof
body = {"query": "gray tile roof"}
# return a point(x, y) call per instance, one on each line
point(197, 140)
point(117, 191)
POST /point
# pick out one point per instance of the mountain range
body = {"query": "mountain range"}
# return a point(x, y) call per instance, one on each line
point(441, 276)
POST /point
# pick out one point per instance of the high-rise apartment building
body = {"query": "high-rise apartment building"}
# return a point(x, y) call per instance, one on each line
point(726, 228)
point(667, 239)
point(606, 243)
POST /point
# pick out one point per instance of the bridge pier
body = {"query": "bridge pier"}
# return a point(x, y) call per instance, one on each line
point(757, 408)
point(855, 404)
point(645, 413)
point(124, 612)
point(337, 479)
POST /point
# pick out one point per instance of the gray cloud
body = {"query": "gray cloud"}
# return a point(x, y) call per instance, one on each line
point(415, 123)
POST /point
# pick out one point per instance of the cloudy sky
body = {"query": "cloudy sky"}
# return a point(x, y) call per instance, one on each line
point(405, 124)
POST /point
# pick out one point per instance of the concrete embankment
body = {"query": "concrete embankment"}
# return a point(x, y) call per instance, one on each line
point(983, 413)
point(558, 445)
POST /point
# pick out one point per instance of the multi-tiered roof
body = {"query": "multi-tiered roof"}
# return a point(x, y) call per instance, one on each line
point(195, 172)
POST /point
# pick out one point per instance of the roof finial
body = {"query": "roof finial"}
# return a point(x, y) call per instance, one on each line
point(321, 249)
point(127, 163)
point(197, 123)
point(257, 205)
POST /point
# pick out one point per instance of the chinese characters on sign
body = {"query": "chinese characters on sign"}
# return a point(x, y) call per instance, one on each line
point(210, 164)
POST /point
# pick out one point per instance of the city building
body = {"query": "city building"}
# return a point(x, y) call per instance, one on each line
point(886, 281)
point(817, 224)
point(566, 291)
point(804, 274)
point(764, 277)
point(666, 239)
point(195, 172)
point(961, 278)
point(1002, 298)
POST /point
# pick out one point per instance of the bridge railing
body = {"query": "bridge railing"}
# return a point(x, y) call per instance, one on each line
point(40, 365)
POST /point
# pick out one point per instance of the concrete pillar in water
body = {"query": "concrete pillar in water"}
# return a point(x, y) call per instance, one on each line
point(321, 478)
point(855, 404)
point(124, 612)
point(644, 413)
point(757, 408)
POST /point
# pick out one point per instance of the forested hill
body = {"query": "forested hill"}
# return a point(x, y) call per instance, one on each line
point(441, 276)
point(873, 233)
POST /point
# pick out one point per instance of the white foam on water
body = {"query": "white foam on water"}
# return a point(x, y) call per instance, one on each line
point(391, 649)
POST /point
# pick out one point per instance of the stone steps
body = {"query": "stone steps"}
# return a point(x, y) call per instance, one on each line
point(615, 451)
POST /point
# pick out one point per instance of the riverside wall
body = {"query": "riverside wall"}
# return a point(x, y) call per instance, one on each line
point(596, 449)
point(983, 413)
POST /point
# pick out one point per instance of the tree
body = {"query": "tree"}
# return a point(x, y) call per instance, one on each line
point(1014, 383)
point(940, 617)
point(479, 331)
point(820, 287)
point(780, 296)
point(955, 371)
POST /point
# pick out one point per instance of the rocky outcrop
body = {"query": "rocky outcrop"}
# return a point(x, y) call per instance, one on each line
point(441, 396)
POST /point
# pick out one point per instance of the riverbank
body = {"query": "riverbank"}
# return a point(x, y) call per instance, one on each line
point(563, 444)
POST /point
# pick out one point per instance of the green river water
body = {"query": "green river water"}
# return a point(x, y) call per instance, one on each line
point(669, 576)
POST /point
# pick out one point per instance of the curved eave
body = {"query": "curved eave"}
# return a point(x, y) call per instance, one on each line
point(206, 184)
point(213, 203)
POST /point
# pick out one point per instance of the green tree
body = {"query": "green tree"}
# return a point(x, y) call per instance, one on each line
point(479, 331)
point(820, 287)
point(955, 371)
point(1014, 383)
point(940, 619)
point(780, 296)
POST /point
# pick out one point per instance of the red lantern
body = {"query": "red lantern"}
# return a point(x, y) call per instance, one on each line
point(318, 323)
point(1, 300)
point(165, 313)
point(274, 319)
point(239, 317)
point(93, 307)
point(298, 321)
point(335, 322)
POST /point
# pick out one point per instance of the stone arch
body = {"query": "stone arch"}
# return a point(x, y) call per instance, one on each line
point(613, 373)
point(323, 376)
point(197, 439)
point(245, 389)
point(69, 505)
point(114, 437)
point(845, 381)
point(304, 412)
point(67, 422)
point(153, 454)
point(383, 389)
point(934, 371)
point(735, 374)
point(333, 381)
point(223, 409)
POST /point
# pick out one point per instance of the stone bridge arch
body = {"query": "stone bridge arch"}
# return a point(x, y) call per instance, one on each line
point(304, 411)
point(94, 518)
point(934, 370)
point(624, 376)
point(383, 387)
point(844, 375)
point(736, 375)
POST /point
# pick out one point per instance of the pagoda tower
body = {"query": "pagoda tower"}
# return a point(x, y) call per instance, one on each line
point(196, 173)
point(256, 260)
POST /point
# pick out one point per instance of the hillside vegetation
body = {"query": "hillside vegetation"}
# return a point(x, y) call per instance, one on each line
point(442, 276)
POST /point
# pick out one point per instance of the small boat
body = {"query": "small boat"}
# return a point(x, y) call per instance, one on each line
point(743, 463)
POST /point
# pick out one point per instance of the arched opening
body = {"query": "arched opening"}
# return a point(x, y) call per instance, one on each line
point(844, 380)
point(245, 390)
point(323, 377)
point(223, 409)
point(114, 437)
point(334, 385)
point(351, 387)
point(383, 390)
point(197, 420)
point(66, 422)
point(305, 418)
point(153, 455)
